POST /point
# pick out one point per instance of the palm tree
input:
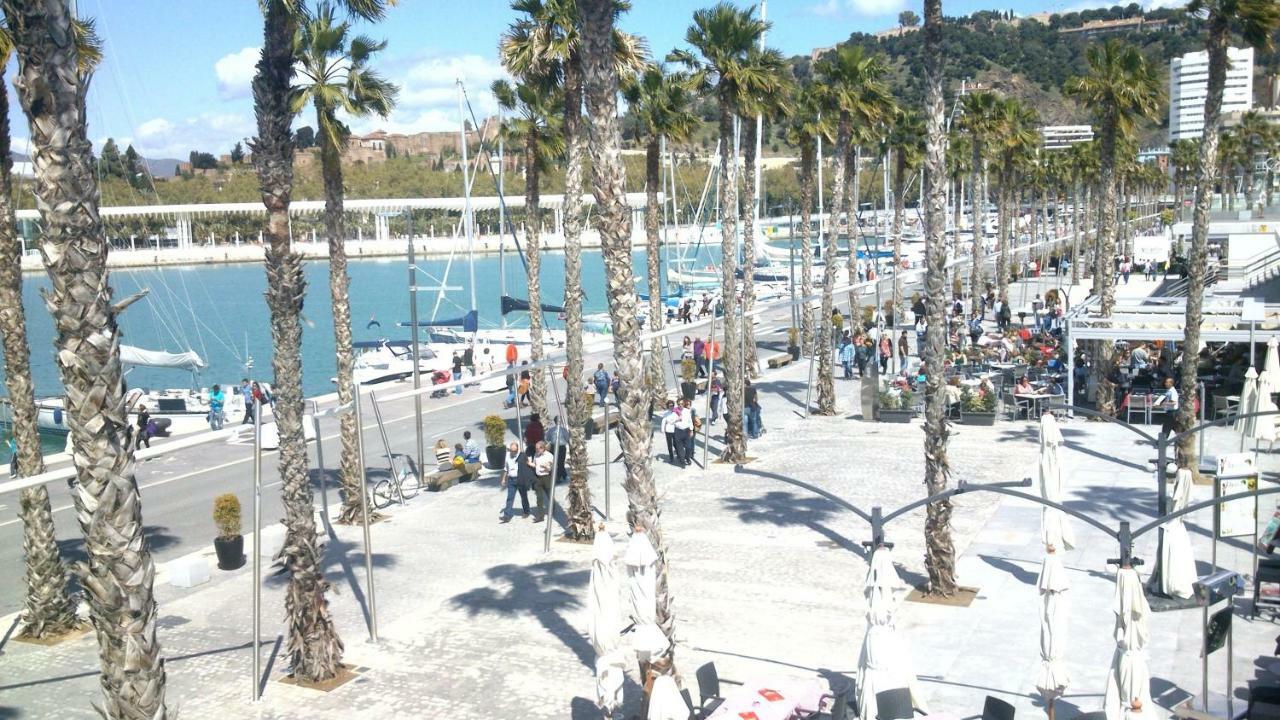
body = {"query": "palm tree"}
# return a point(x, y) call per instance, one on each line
point(314, 648)
point(335, 75)
point(978, 119)
point(1256, 137)
point(614, 223)
point(857, 97)
point(959, 166)
point(905, 140)
point(723, 37)
point(1084, 171)
point(940, 552)
point(1230, 159)
point(1256, 22)
point(1184, 156)
point(1017, 137)
point(1119, 88)
point(762, 93)
point(806, 125)
point(662, 104)
point(535, 125)
point(118, 576)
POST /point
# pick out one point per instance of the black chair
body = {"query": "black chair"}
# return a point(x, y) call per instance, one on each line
point(709, 688)
point(997, 709)
point(1095, 715)
point(840, 708)
point(894, 704)
point(688, 701)
point(1269, 696)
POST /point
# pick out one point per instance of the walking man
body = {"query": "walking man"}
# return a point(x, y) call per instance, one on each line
point(601, 380)
point(669, 431)
point(683, 432)
point(457, 373)
point(751, 410)
point(542, 462)
point(246, 392)
point(689, 415)
point(216, 400)
point(511, 480)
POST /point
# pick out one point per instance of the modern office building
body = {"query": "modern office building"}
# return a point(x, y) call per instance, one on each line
point(1188, 87)
point(1060, 137)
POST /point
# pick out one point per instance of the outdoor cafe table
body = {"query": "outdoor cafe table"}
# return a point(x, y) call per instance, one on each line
point(772, 698)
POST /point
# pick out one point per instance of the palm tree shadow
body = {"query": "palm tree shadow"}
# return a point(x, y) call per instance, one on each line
point(1019, 573)
point(781, 508)
point(789, 390)
point(344, 555)
point(542, 590)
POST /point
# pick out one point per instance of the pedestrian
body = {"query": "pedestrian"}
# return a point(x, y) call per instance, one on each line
point(1168, 403)
point(904, 350)
point(601, 380)
point(444, 455)
point(144, 426)
point(683, 432)
point(886, 352)
point(695, 424)
point(246, 392)
point(558, 440)
point(862, 354)
point(686, 349)
point(669, 431)
point(469, 360)
point(533, 433)
point(510, 402)
point(751, 410)
point(217, 399)
point(716, 390)
point(522, 387)
point(922, 327)
point(542, 462)
point(837, 322)
point(1125, 269)
point(1005, 315)
point(706, 306)
point(512, 481)
point(457, 373)
point(470, 448)
point(846, 358)
point(513, 354)
point(975, 328)
point(11, 444)
point(700, 356)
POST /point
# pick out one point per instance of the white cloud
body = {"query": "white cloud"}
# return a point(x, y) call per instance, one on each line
point(210, 132)
point(429, 94)
point(860, 8)
point(235, 73)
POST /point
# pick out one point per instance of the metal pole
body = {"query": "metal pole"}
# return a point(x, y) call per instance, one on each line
point(555, 467)
point(1200, 454)
point(413, 321)
point(257, 548)
point(397, 478)
point(324, 483)
point(808, 393)
point(364, 520)
point(791, 247)
point(502, 224)
point(466, 210)
point(1204, 656)
point(711, 376)
point(607, 461)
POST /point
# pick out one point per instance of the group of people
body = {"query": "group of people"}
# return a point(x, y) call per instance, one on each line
point(534, 467)
point(702, 352)
point(680, 423)
point(685, 311)
point(459, 456)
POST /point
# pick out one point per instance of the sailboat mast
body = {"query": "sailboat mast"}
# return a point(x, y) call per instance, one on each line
point(502, 224)
point(466, 206)
point(757, 202)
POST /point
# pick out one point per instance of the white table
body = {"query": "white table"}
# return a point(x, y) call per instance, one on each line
point(772, 698)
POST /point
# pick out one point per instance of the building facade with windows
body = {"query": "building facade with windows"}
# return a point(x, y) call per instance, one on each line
point(1189, 86)
point(1061, 137)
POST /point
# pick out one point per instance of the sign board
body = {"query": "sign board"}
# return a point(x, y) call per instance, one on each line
point(1152, 248)
point(1216, 632)
point(1237, 473)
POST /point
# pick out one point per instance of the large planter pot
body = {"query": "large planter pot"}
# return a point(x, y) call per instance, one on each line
point(230, 552)
point(978, 418)
point(495, 455)
point(896, 416)
point(795, 352)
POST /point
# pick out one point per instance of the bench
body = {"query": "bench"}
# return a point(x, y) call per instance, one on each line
point(445, 479)
point(779, 360)
point(596, 423)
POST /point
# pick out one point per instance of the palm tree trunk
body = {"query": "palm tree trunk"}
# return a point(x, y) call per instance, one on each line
point(826, 343)
point(119, 573)
point(580, 526)
point(653, 260)
point(940, 552)
point(48, 607)
point(314, 648)
point(1076, 217)
point(339, 295)
point(1196, 257)
point(749, 362)
point(978, 199)
point(851, 184)
point(808, 162)
point(614, 222)
point(1104, 356)
point(735, 440)
point(1002, 241)
point(533, 269)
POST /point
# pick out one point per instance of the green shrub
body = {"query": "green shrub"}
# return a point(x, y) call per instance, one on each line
point(978, 402)
point(688, 370)
point(495, 430)
point(226, 515)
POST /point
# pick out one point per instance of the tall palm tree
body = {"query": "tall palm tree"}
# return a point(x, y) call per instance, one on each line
point(959, 167)
point(856, 96)
point(1230, 160)
point(662, 103)
point(762, 93)
point(49, 608)
point(1084, 172)
point(1256, 137)
point(1017, 138)
point(614, 223)
point(905, 140)
point(940, 552)
point(335, 75)
point(1184, 156)
point(723, 37)
point(1255, 21)
point(978, 119)
point(314, 648)
point(535, 124)
point(1120, 87)
point(118, 576)
point(807, 123)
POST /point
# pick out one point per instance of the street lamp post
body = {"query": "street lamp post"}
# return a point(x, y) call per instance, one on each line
point(413, 323)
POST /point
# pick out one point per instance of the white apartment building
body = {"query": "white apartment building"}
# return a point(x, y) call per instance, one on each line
point(1188, 87)
point(1061, 137)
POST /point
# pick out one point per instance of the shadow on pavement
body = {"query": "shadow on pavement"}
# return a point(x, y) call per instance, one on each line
point(1019, 573)
point(542, 590)
point(346, 556)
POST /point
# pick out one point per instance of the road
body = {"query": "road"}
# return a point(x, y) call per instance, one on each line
point(178, 489)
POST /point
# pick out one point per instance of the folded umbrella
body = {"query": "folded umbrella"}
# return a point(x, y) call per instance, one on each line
point(1177, 564)
point(885, 660)
point(1129, 681)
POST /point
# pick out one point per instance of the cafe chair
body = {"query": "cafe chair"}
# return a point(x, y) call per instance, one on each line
point(894, 704)
point(709, 689)
point(997, 709)
point(1095, 715)
point(1266, 697)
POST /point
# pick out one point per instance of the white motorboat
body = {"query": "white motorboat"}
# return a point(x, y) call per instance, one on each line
point(379, 361)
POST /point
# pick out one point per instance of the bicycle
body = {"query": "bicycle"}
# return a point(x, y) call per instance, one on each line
point(402, 486)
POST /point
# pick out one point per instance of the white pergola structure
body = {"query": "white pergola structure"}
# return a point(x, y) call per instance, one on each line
point(1162, 318)
point(379, 208)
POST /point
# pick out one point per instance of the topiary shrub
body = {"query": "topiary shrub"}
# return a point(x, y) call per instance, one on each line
point(226, 515)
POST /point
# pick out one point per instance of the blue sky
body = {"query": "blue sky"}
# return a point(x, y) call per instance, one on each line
point(176, 72)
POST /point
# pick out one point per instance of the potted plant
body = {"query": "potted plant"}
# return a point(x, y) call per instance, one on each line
point(978, 408)
point(495, 431)
point(793, 343)
point(897, 408)
point(229, 544)
point(688, 372)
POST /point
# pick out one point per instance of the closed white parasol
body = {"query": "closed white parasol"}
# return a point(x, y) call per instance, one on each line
point(1129, 680)
point(604, 615)
point(1056, 531)
point(1052, 678)
point(885, 662)
point(1177, 564)
point(1248, 393)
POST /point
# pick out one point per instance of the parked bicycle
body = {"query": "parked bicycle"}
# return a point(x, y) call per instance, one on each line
point(403, 484)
